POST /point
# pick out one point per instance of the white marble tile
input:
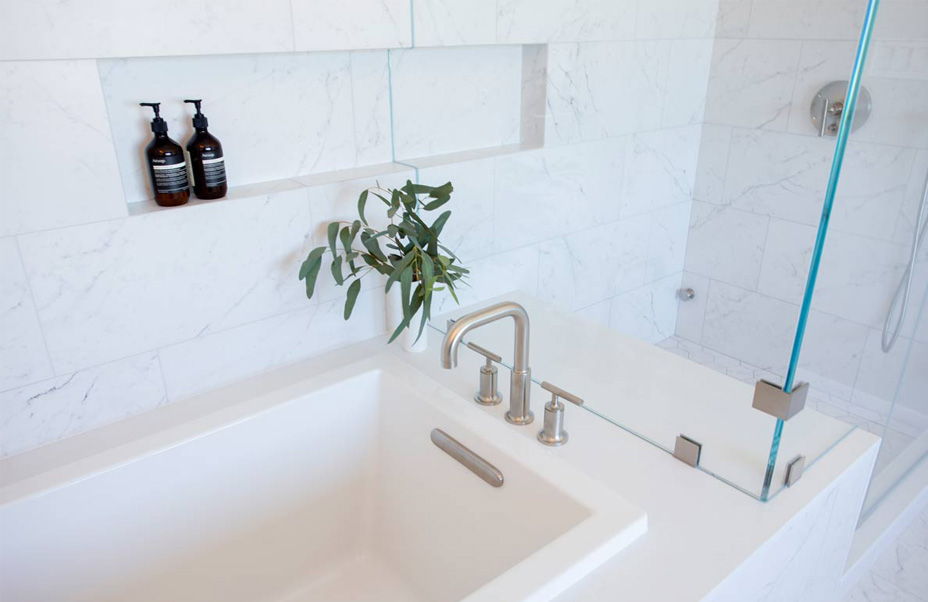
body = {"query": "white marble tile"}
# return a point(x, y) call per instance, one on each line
point(786, 176)
point(496, 275)
point(903, 20)
point(598, 90)
point(545, 193)
point(737, 319)
point(880, 372)
point(669, 229)
point(23, 358)
point(277, 116)
point(370, 97)
point(113, 289)
point(661, 169)
point(470, 230)
point(593, 265)
point(220, 359)
point(831, 353)
point(65, 405)
point(733, 19)
point(751, 83)
point(454, 22)
point(687, 82)
point(915, 190)
point(907, 567)
point(530, 21)
point(48, 29)
point(726, 244)
point(807, 20)
point(873, 588)
point(326, 25)
point(597, 313)
point(690, 313)
point(915, 380)
point(857, 278)
point(906, 59)
point(534, 95)
point(452, 99)
point(648, 313)
point(775, 174)
point(787, 256)
point(57, 166)
point(713, 163)
point(676, 19)
point(899, 106)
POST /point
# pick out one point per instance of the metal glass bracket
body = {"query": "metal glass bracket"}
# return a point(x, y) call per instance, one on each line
point(794, 470)
point(687, 450)
point(771, 399)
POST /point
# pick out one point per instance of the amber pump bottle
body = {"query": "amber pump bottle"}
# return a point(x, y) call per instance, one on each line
point(166, 165)
point(206, 160)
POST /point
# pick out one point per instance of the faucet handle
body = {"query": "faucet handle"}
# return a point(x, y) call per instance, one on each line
point(491, 357)
point(559, 392)
point(553, 432)
point(488, 394)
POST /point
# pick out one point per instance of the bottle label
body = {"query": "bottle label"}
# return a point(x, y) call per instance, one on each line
point(170, 175)
point(214, 170)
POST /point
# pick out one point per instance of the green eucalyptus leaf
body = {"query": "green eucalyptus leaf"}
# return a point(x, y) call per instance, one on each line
point(333, 236)
point(314, 256)
point(337, 270)
point(397, 270)
point(362, 203)
point(405, 286)
point(353, 291)
point(439, 223)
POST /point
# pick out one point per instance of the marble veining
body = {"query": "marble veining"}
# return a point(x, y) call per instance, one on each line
point(79, 182)
point(23, 358)
point(472, 100)
point(71, 403)
point(117, 288)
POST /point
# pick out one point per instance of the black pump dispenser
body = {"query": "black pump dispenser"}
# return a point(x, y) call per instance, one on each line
point(207, 162)
point(166, 165)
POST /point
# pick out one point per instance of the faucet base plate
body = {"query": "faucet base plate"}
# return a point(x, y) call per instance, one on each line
point(520, 420)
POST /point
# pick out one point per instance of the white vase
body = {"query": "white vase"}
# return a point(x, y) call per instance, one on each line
point(407, 339)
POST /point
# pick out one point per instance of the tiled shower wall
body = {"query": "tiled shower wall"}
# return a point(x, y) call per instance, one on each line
point(110, 307)
point(759, 189)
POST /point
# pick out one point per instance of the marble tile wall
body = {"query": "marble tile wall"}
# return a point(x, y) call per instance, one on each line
point(110, 307)
point(761, 180)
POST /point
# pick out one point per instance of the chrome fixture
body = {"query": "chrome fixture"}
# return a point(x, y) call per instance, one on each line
point(487, 394)
point(553, 433)
point(901, 296)
point(828, 106)
point(771, 399)
point(686, 294)
point(520, 411)
point(470, 460)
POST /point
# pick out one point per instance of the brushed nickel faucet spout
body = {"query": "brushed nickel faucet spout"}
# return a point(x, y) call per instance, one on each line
point(520, 384)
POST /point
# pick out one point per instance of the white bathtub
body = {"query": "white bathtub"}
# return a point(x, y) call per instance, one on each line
point(328, 489)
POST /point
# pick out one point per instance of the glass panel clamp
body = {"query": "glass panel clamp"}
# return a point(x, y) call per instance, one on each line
point(771, 399)
point(687, 450)
point(794, 470)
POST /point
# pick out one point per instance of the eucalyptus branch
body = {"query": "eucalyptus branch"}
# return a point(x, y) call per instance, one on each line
point(413, 254)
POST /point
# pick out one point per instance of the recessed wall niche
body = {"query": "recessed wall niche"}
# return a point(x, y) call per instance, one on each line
point(286, 115)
